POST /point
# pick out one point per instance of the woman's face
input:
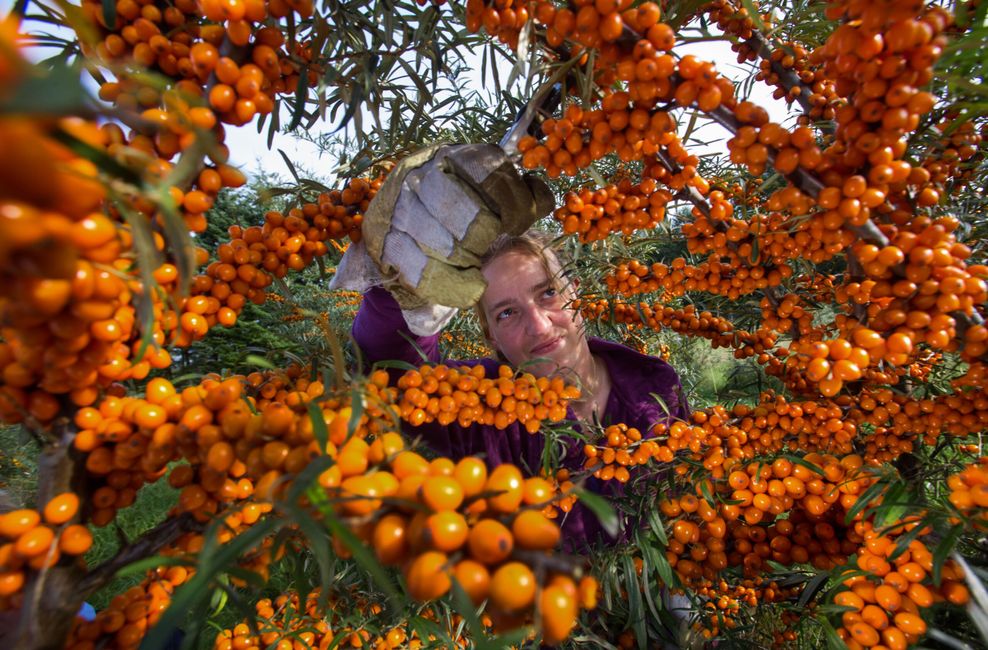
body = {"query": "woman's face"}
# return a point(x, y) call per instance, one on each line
point(528, 317)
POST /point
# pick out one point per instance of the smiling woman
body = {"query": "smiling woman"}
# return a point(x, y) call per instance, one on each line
point(526, 315)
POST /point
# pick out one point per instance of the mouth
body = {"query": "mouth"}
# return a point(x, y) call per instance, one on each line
point(546, 347)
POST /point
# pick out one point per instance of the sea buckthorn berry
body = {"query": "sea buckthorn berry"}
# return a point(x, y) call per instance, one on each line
point(61, 508)
point(512, 587)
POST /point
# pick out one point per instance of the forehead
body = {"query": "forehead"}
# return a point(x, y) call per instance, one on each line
point(513, 274)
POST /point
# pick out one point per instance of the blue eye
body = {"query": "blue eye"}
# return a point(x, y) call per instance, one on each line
point(504, 313)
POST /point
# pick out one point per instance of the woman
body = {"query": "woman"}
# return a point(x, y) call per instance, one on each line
point(526, 316)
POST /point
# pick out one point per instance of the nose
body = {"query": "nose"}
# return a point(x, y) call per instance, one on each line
point(538, 321)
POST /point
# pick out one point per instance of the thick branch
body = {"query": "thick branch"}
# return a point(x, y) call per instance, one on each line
point(150, 543)
point(787, 76)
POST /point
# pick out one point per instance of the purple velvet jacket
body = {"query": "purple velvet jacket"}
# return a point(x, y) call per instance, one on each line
point(644, 391)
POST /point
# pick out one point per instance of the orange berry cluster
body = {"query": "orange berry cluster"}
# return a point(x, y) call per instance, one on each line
point(444, 509)
point(625, 207)
point(878, 59)
point(758, 142)
point(459, 520)
point(969, 492)
point(686, 321)
point(745, 529)
point(831, 363)
point(900, 422)
point(247, 264)
point(184, 43)
point(287, 624)
point(725, 602)
point(790, 314)
point(619, 126)
point(920, 303)
point(957, 151)
point(466, 396)
point(885, 605)
point(785, 55)
point(623, 448)
point(470, 348)
point(125, 622)
point(502, 19)
point(68, 298)
point(722, 274)
point(29, 543)
point(743, 432)
point(129, 616)
point(150, 149)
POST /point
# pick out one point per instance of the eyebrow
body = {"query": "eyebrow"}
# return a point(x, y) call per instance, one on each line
point(534, 289)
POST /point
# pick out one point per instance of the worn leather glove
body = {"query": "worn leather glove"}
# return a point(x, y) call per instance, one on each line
point(435, 216)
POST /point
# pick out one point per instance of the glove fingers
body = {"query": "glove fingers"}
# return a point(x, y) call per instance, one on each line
point(475, 162)
point(412, 216)
point(545, 200)
point(518, 201)
point(459, 209)
point(447, 199)
point(399, 246)
point(356, 271)
point(428, 320)
point(377, 217)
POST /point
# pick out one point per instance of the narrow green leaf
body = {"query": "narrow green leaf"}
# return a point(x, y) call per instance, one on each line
point(648, 554)
point(361, 553)
point(657, 527)
point(106, 163)
point(864, 500)
point(317, 541)
point(799, 460)
point(193, 594)
point(319, 430)
point(465, 607)
point(602, 509)
point(353, 104)
point(425, 628)
point(636, 614)
point(400, 365)
point(148, 259)
point(146, 564)
point(110, 14)
point(812, 587)
point(512, 639)
point(258, 361)
point(834, 642)
point(307, 477)
point(290, 165)
point(707, 494)
point(943, 549)
point(301, 91)
point(356, 410)
point(903, 541)
point(891, 508)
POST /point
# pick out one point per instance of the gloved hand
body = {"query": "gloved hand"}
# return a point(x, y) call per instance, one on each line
point(436, 214)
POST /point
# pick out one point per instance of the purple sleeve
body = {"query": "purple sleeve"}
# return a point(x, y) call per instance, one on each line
point(381, 333)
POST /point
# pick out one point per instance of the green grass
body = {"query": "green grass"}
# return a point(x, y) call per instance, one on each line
point(18, 467)
point(150, 509)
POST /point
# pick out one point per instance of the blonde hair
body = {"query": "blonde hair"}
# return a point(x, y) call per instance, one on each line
point(533, 243)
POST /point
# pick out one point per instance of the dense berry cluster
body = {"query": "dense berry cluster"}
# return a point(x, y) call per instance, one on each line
point(466, 396)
